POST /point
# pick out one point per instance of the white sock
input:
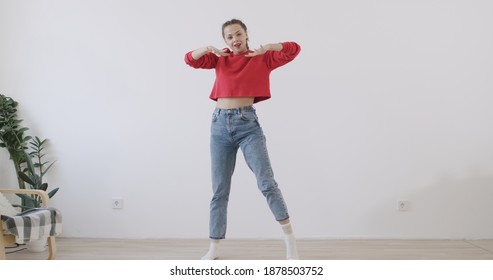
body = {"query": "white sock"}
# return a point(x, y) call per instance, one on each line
point(290, 240)
point(212, 254)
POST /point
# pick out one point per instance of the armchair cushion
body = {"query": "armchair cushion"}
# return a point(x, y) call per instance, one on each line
point(34, 224)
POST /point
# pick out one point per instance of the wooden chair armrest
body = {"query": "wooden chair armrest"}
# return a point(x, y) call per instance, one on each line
point(44, 197)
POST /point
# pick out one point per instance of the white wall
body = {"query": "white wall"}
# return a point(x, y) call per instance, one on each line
point(388, 100)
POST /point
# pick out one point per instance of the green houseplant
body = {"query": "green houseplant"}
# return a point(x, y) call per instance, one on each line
point(25, 152)
point(33, 173)
point(12, 134)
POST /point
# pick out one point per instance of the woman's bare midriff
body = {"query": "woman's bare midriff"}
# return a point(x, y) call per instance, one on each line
point(230, 103)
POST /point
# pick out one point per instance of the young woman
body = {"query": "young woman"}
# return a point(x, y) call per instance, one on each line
point(242, 79)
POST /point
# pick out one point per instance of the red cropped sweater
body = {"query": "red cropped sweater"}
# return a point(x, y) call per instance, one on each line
point(240, 76)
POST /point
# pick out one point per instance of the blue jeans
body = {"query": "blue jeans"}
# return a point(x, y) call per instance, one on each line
point(232, 129)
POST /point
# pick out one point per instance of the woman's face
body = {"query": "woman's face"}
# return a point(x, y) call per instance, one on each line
point(236, 38)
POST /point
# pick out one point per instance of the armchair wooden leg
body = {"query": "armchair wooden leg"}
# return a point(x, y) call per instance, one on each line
point(2, 244)
point(2, 247)
point(51, 248)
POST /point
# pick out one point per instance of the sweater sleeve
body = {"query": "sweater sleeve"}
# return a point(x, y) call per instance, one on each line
point(278, 58)
point(207, 61)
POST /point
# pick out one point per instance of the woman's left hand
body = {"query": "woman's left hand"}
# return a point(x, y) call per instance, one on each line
point(259, 51)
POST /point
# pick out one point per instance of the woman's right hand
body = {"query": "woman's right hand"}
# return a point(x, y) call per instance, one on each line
point(198, 53)
point(216, 51)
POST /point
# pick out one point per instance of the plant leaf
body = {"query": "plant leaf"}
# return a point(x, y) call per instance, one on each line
point(47, 168)
point(52, 193)
point(22, 130)
point(25, 196)
point(25, 178)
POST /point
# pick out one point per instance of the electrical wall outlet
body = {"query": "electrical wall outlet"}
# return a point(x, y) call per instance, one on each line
point(117, 203)
point(403, 205)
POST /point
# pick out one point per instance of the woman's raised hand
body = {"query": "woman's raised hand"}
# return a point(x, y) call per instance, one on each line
point(259, 51)
point(216, 51)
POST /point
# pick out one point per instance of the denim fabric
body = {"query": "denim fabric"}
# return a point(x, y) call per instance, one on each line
point(232, 129)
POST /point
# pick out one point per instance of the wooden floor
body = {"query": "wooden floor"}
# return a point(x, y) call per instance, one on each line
point(186, 249)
